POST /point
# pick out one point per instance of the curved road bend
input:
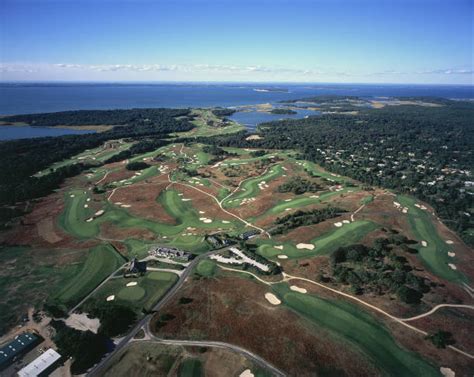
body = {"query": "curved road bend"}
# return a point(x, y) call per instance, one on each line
point(99, 369)
point(209, 343)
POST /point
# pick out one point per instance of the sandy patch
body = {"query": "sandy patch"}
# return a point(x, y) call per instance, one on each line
point(282, 256)
point(89, 220)
point(132, 284)
point(186, 199)
point(99, 213)
point(254, 137)
point(86, 206)
point(82, 322)
point(345, 221)
point(447, 372)
point(225, 222)
point(279, 247)
point(424, 243)
point(305, 246)
point(452, 266)
point(451, 254)
point(201, 212)
point(248, 372)
point(298, 289)
point(88, 199)
point(125, 206)
point(272, 299)
point(72, 196)
point(110, 298)
point(449, 242)
point(338, 224)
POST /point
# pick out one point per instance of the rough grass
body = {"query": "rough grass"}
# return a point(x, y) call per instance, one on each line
point(361, 330)
point(190, 367)
point(100, 263)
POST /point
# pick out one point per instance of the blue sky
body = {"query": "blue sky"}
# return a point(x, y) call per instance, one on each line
point(397, 41)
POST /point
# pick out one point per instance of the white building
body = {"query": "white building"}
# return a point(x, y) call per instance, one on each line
point(40, 364)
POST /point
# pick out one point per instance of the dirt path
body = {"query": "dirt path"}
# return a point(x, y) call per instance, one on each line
point(435, 309)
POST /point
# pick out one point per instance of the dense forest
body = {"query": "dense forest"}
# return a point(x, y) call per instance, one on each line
point(22, 159)
point(423, 151)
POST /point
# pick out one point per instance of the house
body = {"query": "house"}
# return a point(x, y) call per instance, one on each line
point(42, 365)
point(16, 348)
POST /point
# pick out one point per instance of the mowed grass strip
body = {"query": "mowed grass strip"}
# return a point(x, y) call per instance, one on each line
point(191, 367)
point(73, 219)
point(101, 261)
point(435, 254)
point(324, 244)
point(360, 330)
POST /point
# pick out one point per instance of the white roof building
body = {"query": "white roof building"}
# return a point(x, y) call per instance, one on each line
point(40, 364)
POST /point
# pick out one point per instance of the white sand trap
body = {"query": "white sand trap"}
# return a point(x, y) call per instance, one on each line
point(451, 254)
point(272, 299)
point(225, 222)
point(132, 284)
point(125, 206)
point(346, 221)
point(72, 196)
point(287, 200)
point(201, 212)
point(298, 289)
point(89, 220)
point(118, 203)
point(207, 221)
point(314, 196)
point(86, 206)
point(186, 200)
point(279, 247)
point(248, 372)
point(202, 218)
point(180, 194)
point(111, 298)
point(282, 256)
point(305, 246)
point(99, 212)
point(424, 243)
point(338, 224)
point(446, 372)
point(287, 209)
point(88, 199)
point(449, 242)
point(82, 322)
point(452, 266)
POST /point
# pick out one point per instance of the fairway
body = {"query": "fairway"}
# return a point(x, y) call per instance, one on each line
point(206, 268)
point(100, 263)
point(190, 368)
point(361, 330)
point(435, 254)
point(324, 245)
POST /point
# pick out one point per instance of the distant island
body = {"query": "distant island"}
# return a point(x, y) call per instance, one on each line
point(283, 112)
point(277, 90)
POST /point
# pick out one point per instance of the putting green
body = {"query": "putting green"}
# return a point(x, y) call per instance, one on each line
point(100, 263)
point(364, 332)
point(134, 293)
point(324, 245)
point(435, 254)
point(206, 268)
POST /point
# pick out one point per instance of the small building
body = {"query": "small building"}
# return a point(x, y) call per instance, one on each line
point(135, 267)
point(42, 365)
point(170, 252)
point(16, 348)
point(249, 234)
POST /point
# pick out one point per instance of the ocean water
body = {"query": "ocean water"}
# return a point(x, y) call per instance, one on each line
point(27, 98)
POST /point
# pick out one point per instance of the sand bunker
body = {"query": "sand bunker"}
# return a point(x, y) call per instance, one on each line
point(88, 199)
point(111, 298)
point(338, 224)
point(452, 266)
point(305, 246)
point(446, 372)
point(451, 254)
point(424, 243)
point(89, 220)
point(287, 200)
point(86, 206)
point(82, 322)
point(225, 222)
point(279, 247)
point(72, 196)
point(186, 199)
point(449, 242)
point(248, 372)
point(132, 284)
point(272, 299)
point(205, 220)
point(201, 212)
point(125, 206)
point(314, 196)
point(99, 213)
point(346, 221)
point(282, 256)
point(298, 289)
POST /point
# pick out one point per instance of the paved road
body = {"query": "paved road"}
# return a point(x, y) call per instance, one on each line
point(100, 368)
point(208, 343)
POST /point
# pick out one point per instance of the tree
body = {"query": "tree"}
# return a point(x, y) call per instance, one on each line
point(409, 295)
point(441, 338)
